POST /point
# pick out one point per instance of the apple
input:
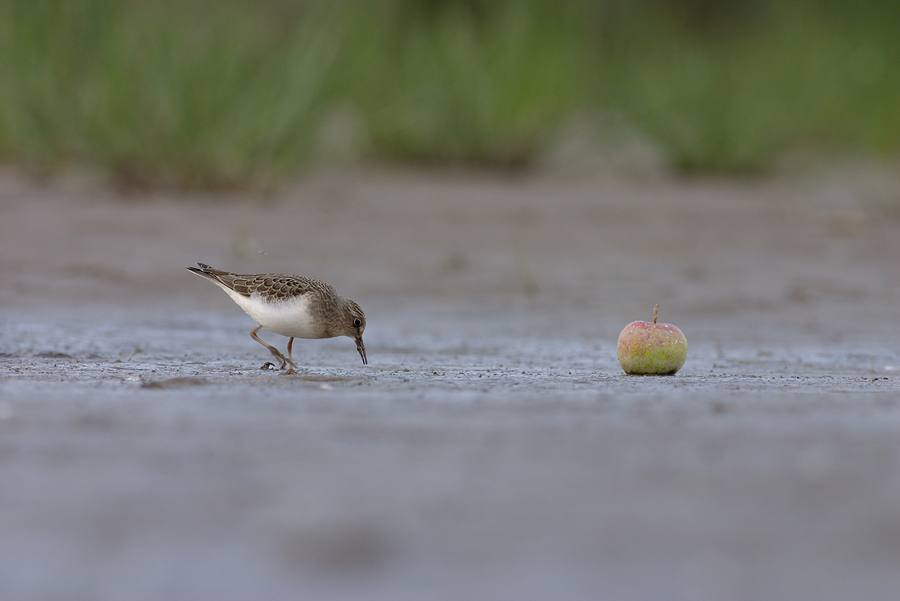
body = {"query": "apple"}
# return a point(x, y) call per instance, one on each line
point(651, 348)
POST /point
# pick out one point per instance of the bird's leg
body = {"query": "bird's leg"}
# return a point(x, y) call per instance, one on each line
point(271, 348)
point(291, 363)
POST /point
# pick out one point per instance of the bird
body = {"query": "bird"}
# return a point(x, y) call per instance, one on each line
point(290, 305)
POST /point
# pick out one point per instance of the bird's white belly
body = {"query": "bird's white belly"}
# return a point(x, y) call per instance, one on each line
point(290, 317)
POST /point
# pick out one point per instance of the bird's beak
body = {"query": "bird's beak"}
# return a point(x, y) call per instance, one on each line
point(362, 350)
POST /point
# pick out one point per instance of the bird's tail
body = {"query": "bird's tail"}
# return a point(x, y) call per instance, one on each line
point(210, 273)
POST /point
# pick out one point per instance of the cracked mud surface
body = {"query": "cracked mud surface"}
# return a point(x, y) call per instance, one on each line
point(492, 448)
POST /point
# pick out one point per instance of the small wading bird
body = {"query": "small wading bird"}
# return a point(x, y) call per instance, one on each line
point(292, 306)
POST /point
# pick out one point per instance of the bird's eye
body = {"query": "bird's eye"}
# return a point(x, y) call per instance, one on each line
point(357, 322)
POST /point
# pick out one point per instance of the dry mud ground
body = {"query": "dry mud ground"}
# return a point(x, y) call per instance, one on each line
point(491, 449)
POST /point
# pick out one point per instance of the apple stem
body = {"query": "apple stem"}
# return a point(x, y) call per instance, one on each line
point(655, 313)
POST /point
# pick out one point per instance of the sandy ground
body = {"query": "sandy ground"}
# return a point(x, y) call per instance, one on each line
point(492, 448)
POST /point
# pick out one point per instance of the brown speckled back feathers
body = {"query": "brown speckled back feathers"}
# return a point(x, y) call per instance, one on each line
point(271, 286)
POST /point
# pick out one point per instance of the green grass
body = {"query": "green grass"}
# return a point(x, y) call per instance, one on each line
point(236, 93)
point(735, 100)
point(200, 94)
point(436, 88)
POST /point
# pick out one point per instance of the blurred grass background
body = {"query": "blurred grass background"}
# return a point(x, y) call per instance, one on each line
point(237, 93)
